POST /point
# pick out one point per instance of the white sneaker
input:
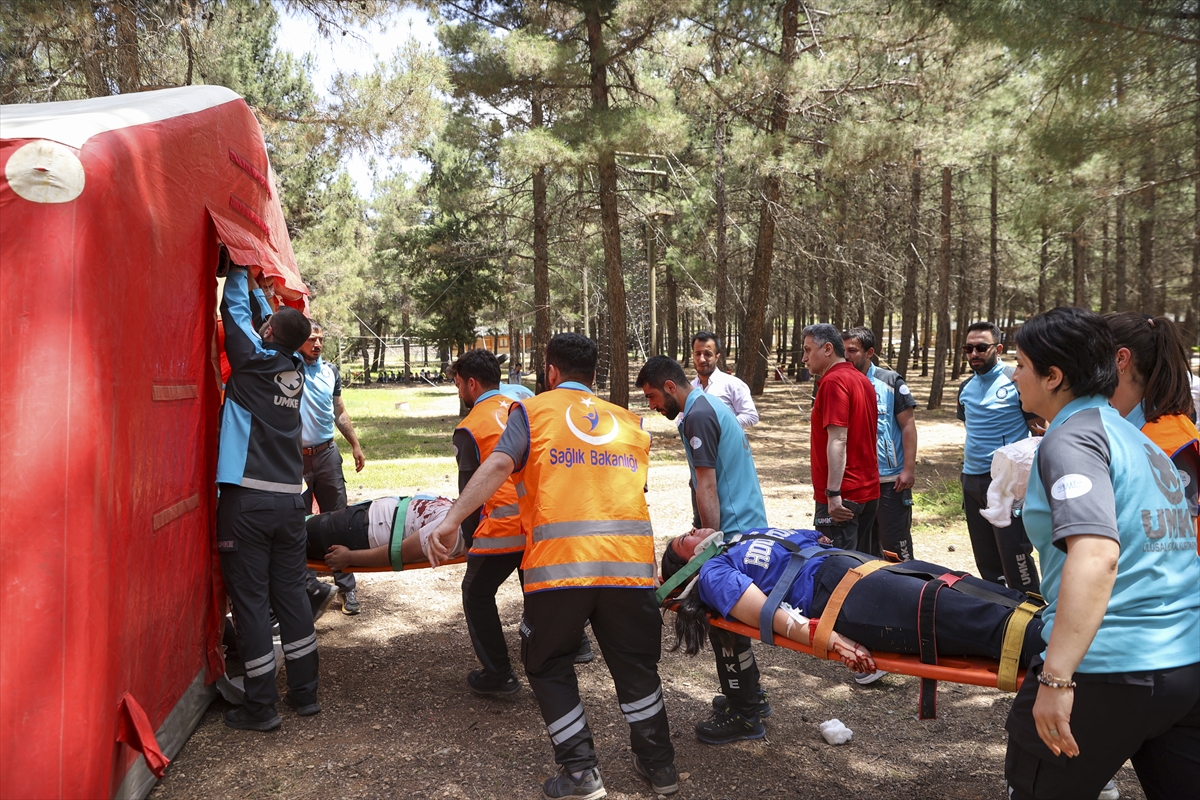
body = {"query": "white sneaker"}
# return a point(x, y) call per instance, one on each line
point(1109, 792)
point(867, 678)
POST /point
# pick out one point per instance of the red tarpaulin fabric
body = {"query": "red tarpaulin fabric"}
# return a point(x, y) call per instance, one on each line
point(133, 728)
point(110, 216)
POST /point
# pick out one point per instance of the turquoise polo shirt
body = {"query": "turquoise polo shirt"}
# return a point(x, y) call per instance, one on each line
point(712, 438)
point(322, 383)
point(1097, 474)
point(991, 408)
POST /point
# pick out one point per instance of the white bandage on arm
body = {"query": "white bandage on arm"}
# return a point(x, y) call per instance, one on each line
point(794, 617)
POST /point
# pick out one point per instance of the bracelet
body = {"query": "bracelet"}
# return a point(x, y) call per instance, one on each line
point(1046, 679)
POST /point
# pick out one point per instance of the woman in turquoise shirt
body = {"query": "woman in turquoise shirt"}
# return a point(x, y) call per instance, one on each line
point(1120, 677)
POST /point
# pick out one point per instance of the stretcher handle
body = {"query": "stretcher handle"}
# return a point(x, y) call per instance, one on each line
point(320, 566)
point(971, 670)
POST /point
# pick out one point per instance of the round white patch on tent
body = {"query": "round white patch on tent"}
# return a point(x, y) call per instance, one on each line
point(45, 172)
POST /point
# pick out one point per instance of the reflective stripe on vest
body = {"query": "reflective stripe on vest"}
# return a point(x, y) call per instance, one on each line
point(499, 530)
point(612, 527)
point(613, 573)
point(501, 512)
point(492, 546)
point(582, 495)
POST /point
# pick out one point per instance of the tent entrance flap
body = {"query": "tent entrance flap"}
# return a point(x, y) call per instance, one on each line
point(243, 242)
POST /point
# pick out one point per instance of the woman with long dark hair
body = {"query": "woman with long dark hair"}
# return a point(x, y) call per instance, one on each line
point(1105, 508)
point(1154, 390)
point(880, 612)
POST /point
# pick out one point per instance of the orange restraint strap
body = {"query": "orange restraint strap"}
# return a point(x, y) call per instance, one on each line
point(820, 640)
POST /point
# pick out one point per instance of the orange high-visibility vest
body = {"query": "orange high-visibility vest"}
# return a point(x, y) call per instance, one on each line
point(1179, 439)
point(499, 528)
point(582, 494)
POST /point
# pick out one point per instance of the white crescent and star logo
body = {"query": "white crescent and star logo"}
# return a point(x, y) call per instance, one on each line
point(503, 423)
point(289, 382)
point(592, 420)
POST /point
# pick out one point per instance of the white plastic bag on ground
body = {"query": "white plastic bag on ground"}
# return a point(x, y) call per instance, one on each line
point(835, 732)
point(1010, 477)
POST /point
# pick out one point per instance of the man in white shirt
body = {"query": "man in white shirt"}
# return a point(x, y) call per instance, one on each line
point(706, 354)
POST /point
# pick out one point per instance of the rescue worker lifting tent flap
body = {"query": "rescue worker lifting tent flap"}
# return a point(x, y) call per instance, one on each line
point(112, 214)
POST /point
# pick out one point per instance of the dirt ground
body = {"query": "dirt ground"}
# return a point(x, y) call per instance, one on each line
point(400, 721)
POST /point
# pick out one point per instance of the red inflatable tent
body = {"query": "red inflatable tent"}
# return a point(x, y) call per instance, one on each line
point(111, 215)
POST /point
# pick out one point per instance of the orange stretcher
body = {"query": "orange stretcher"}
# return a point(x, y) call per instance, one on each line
point(319, 566)
point(973, 670)
point(1003, 673)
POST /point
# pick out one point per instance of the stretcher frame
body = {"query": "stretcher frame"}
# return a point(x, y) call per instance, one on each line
point(320, 566)
point(971, 670)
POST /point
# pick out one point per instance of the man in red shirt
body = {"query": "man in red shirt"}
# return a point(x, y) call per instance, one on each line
point(845, 469)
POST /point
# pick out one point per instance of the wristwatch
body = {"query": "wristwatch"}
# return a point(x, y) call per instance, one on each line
point(833, 492)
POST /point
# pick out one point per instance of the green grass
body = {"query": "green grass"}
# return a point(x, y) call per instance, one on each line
point(407, 435)
point(389, 430)
point(942, 501)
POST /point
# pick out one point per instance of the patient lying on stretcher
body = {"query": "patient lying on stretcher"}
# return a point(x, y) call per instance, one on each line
point(388, 532)
point(881, 612)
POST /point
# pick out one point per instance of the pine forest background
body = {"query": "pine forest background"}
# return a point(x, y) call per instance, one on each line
point(912, 166)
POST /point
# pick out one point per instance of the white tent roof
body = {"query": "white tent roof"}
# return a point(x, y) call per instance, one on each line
point(73, 122)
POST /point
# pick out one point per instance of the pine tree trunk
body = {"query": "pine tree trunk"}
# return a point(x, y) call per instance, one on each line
point(839, 261)
point(963, 306)
point(1194, 306)
point(782, 333)
point(764, 251)
point(764, 350)
point(672, 312)
point(93, 68)
point(721, 273)
point(823, 282)
point(128, 79)
point(375, 353)
point(1063, 280)
point(994, 262)
point(1120, 276)
point(880, 280)
point(1043, 265)
point(541, 261)
point(927, 322)
point(797, 327)
point(610, 223)
point(406, 324)
point(1105, 277)
point(1079, 253)
point(602, 323)
point(943, 299)
point(1146, 200)
point(908, 314)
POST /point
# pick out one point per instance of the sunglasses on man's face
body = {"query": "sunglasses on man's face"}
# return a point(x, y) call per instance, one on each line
point(977, 348)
